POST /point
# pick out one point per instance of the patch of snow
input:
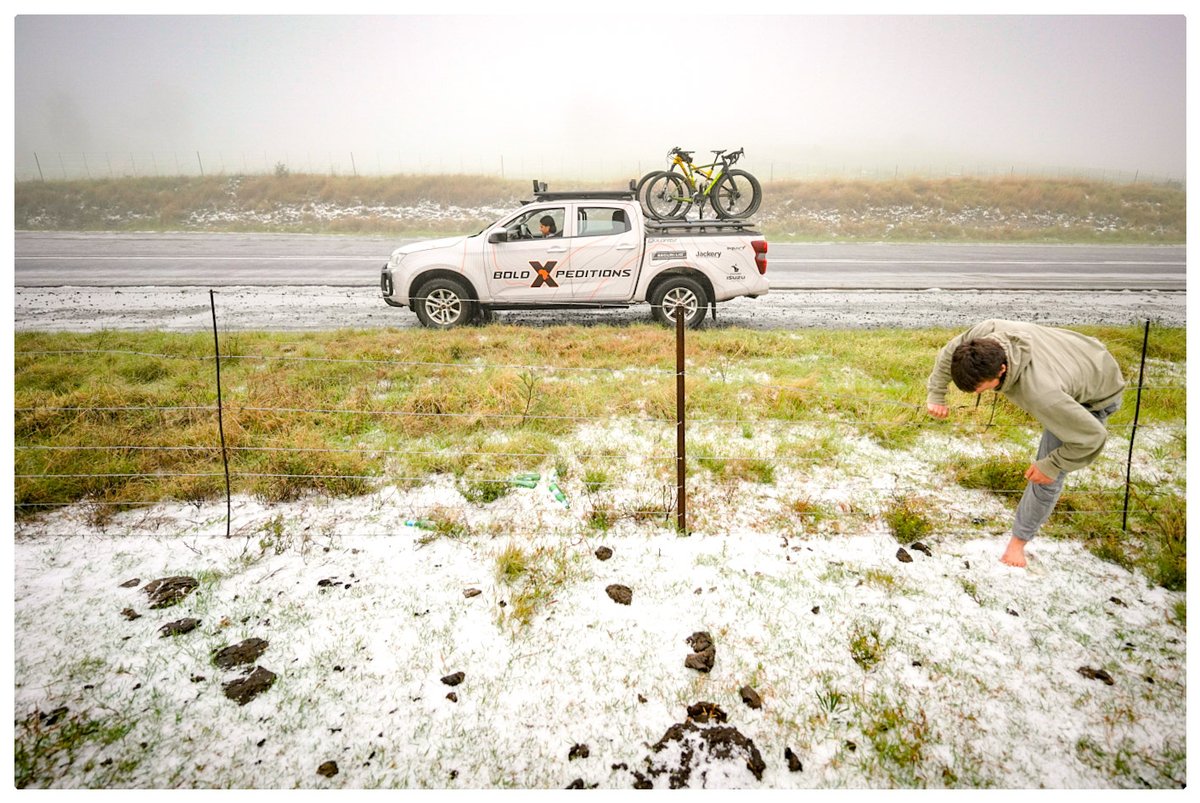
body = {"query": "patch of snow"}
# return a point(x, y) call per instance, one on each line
point(976, 679)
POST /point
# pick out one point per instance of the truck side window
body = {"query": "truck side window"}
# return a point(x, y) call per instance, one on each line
point(598, 221)
point(532, 225)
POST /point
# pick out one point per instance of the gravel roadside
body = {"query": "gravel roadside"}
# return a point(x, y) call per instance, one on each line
point(181, 309)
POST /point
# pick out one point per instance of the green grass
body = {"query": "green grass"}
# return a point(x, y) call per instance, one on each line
point(1154, 540)
point(899, 209)
point(512, 563)
point(734, 468)
point(831, 701)
point(867, 648)
point(898, 735)
point(1179, 613)
point(1001, 475)
point(461, 413)
point(807, 513)
point(601, 517)
point(45, 744)
point(883, 580)
point(531, 576)
point(908, 519)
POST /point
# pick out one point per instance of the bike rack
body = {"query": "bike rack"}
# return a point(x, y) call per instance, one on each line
point(737, 224)
point(541, 193)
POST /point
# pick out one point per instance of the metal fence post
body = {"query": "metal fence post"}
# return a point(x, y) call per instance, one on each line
point(680, 438)
point(221, 417)
point(1136, 412)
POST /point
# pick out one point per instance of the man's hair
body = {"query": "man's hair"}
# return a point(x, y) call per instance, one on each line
point(976, 362)
point(548, 221)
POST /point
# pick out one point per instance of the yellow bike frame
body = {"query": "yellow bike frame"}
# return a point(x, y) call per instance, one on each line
point(691, 170)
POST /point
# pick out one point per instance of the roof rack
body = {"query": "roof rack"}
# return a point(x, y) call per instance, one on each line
point(724, 224)
point(540, 193)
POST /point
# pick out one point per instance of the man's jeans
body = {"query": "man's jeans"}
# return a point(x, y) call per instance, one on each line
point(1038, 501)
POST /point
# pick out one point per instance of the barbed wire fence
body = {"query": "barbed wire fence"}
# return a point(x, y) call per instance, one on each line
point(43, 166)
point(220, 470)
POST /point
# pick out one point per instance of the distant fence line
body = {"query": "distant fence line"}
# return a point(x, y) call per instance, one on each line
point(75, 165)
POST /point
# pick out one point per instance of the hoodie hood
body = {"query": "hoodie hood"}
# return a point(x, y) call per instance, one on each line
point(1016, 352)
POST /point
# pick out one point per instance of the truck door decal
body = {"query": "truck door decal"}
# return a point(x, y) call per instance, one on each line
point(543, 274)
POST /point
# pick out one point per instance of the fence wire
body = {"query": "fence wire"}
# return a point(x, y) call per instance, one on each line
point(855, 424)
point(591, 486)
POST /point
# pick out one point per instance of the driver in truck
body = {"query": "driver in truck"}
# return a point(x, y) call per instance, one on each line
point(548, 229)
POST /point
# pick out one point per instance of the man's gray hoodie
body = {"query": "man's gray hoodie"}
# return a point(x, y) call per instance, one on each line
point(1056, 376)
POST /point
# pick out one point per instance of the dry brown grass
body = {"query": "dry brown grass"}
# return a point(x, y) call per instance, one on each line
point(975, 209)
point(911, 208)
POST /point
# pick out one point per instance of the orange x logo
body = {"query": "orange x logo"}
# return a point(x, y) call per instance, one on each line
point(543, 274)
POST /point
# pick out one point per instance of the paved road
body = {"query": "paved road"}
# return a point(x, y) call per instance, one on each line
point(55, 259)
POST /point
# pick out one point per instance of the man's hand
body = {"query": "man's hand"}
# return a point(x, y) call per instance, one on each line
point(938, 410)
point(1034, 475)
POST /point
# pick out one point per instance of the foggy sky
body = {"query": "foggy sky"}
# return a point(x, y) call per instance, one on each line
point(612, 92)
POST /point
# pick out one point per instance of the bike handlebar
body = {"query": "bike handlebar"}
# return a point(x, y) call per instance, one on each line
point(730, 157)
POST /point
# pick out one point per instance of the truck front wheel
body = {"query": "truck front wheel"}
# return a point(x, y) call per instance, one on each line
point(443, 304)
point(679, 294)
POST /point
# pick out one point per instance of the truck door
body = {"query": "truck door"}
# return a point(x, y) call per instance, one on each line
point(523, 266)
point(604, 254)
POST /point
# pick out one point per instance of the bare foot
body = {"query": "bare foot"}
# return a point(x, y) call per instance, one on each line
point(1014, 553)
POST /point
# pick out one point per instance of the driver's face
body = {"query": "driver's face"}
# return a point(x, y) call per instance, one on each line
point(545, 229)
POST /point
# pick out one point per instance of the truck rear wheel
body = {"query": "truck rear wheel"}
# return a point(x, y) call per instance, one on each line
point(443, 304)
point(679, 294)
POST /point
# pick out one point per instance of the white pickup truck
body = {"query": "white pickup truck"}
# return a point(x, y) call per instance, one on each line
point(578, 250)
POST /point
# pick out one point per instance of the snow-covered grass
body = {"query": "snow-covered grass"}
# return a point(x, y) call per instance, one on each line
point(810, 470)
point(906, 209)
point(948, 670)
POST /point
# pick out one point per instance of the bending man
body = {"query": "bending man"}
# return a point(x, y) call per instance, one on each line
point(1067, 381)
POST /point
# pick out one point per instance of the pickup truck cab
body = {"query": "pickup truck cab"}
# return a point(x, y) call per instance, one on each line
point(578, 250)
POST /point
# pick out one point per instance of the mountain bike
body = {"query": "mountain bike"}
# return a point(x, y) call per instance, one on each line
point(670, 195)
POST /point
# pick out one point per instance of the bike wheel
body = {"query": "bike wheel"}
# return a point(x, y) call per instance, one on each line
point(664, 196)
point(642, 182)
point(737, 195)
point(640, 187)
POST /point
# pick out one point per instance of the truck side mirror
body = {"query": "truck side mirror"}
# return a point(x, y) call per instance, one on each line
point(498, 237)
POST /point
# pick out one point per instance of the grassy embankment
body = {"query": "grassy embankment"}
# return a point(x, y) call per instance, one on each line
point(799, 401)
point(902, 209)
